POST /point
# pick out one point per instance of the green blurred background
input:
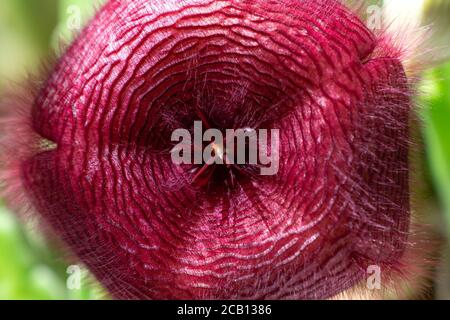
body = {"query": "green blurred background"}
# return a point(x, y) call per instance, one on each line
point(30, 30)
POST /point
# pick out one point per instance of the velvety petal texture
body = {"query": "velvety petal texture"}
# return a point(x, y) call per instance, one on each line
point(107, 185)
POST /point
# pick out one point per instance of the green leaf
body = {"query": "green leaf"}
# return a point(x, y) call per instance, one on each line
point(436, 113)
point(22, 276)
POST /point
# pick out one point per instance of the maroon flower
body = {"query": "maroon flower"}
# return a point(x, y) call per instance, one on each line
point(106, 184)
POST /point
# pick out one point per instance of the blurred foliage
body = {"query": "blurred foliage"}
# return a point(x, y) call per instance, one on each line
point(436, 14)
point(436, 114)
point(30, 268)
point(25, 31)
point(23, 275)
point(71, 14)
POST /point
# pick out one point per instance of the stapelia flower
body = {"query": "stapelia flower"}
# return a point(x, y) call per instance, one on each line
point(95, 159)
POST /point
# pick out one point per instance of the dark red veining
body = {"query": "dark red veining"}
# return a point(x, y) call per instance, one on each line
point(141, 69)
